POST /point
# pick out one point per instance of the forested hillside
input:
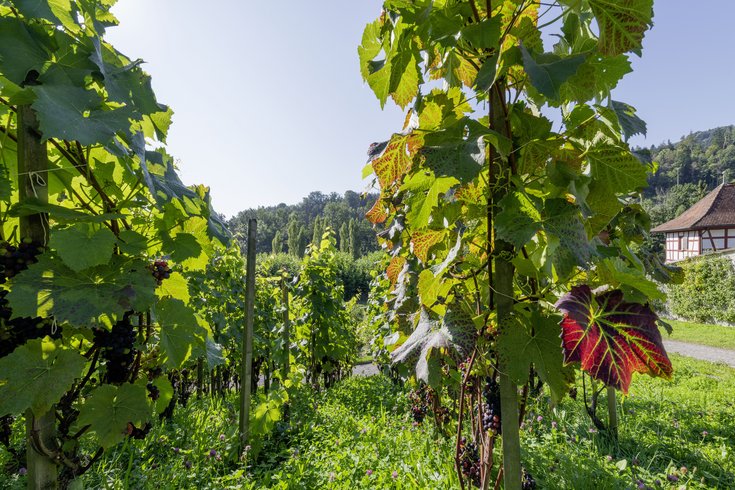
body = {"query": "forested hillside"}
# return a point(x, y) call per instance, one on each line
point(290, 228)
point(687, 170)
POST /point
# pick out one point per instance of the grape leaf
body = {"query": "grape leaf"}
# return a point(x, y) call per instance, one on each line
point(422, 242)
point(630, 123)
point(455, 332)
point(82, 246)
point(393, 162)
point(519, 219)
point(74, 113)
point(551, 71)
point(535, 340)
point(20, 50)
point(181, 332)
point(617, 168)
point(109, 409)
point(611, 338)
point(623, 24)
point(36, 375)
point(102, 293)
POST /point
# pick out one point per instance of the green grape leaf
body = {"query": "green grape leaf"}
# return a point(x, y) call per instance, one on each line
point(82, 246)
point(484, 34)
point(404, 76)
point(55, 11)
point(519, 219)
point(74, 113)
point(132, 243)
point(565, 229)
point(180, 333)
point(370, 47)
point(623, 23)
point(21, 50)
point(535, 340)
point(36, 375)
point(630, 123)
point(550, 71)
point(175, 287)
point(617, 168)
point(109, 409)
point(455, 332)
point(98, 294)
point(425, 193)
point(165, 393)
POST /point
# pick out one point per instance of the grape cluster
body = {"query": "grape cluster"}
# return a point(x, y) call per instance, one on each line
point(6, 430)
point(527, 482)
point(153, 391)
point(491, 406)
point(117, 348)
point(16, 332)
point(17, 259)
point(469, 461)
point(137, 433)
point(160, 270)
point(419, 404)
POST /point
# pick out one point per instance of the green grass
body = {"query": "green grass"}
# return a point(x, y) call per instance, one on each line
point(702, 333)
point(359, 435)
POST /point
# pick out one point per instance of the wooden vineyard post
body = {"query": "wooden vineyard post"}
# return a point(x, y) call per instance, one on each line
point(247, 338)
point(286, 330)
point(32, 178)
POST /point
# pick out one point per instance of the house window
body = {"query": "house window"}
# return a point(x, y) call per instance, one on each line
point(683, 242)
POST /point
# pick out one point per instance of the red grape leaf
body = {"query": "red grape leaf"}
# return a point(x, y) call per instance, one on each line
point(611, 338)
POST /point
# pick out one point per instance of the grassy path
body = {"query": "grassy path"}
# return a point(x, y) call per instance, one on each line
point(702, 333)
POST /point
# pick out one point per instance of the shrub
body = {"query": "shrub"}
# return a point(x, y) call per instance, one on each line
point(708, 292)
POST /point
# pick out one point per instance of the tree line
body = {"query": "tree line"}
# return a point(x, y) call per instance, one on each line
point(289, 229)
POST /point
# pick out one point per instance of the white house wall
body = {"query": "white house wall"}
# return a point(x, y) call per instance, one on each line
point(684, 244)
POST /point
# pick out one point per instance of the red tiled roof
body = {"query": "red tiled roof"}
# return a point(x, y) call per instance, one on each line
point(715, 210)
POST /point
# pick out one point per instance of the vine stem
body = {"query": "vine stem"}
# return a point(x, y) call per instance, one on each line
point(460, 416)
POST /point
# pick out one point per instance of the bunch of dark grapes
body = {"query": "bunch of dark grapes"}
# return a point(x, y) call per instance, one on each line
point(136, 433)
point(153, 391)
point(6, 430)
point(469, 461)
point(16, 332)
point(419, 405)
point(160, 270)
point(527, 482)
point(117, 348)
point(17, 259)
point(491, 406)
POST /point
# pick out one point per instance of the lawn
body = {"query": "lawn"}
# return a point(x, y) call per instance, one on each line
point(359, 435)
point(702, 333)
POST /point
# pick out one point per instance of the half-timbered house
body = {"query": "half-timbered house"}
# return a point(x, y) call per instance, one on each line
point(708, 226)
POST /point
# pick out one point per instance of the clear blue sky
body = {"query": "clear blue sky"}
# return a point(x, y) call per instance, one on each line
point(269, 104)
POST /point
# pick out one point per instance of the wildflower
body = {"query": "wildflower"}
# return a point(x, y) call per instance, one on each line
point(539, 418)
point(247, 448)
point(705, 433)
point(394, 474)
point(672, 477)
point(592, 430)
point(369, 472)
point(608, 458)
point(22, 471)
point(553, 424)
point(683, 470)
point(222, 437)
point(187, 464)
point(176, 450)
point(212, 453)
